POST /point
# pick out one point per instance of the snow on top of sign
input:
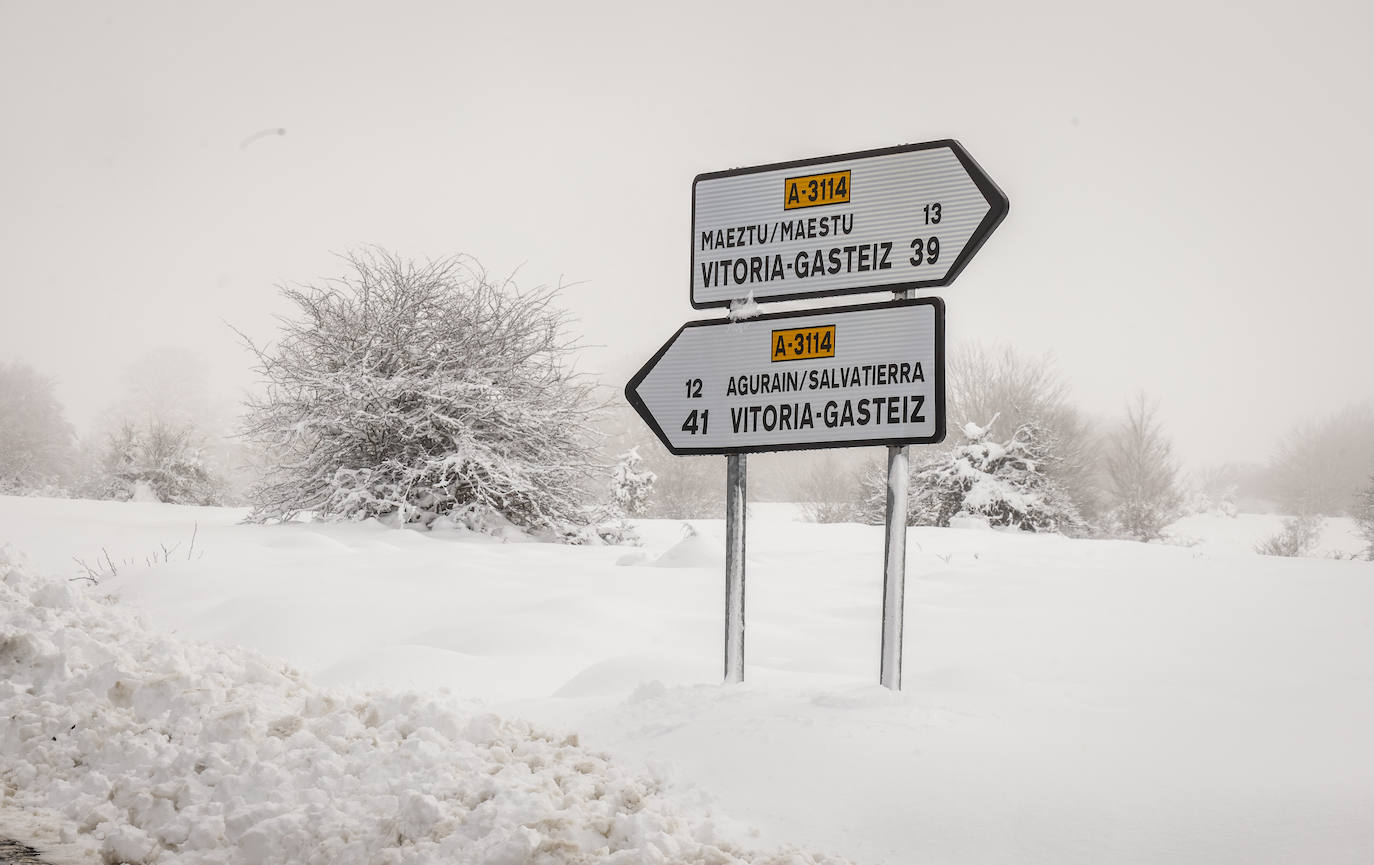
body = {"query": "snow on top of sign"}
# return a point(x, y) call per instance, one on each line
point(741, 310)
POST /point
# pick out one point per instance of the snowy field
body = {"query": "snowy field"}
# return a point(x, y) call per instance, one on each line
point(1064, 701)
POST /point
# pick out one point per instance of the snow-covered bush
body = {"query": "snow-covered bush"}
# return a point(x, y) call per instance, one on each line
point(1297, 538)
point(1005, 482)
point(156, 461)
point(631, 483)
point(415, 391)
point(1142, 476)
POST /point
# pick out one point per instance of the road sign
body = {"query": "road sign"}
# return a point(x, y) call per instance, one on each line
point(843, 377)
point(877, 220)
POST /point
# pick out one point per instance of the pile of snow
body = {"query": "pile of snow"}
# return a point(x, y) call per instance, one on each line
point(695, 550)
point(161, 750)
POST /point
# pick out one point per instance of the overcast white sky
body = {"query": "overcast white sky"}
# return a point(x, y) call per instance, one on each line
point(1190, 183)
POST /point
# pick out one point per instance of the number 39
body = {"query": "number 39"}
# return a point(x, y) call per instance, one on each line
point(925, 251)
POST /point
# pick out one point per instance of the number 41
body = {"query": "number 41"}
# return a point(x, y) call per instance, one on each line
point(691, 426)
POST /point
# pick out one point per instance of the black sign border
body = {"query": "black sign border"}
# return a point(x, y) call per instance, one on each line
point(998, 205)
point(632, 387)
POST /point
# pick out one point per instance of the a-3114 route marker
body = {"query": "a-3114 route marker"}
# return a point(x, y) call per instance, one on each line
point(870, 374)
point(877, 220)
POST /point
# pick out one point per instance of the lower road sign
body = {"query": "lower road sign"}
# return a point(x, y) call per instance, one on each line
point(841, 377)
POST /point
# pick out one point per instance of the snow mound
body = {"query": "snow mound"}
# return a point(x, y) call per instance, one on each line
point(168, 751)
point(625, 674)
point(695, 550)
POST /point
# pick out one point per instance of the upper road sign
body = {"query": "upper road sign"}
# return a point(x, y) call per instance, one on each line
point(878, 220)
point(852, 375)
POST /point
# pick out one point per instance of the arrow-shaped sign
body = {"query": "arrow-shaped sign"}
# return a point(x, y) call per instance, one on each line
point(878, 220)
point(841, 377)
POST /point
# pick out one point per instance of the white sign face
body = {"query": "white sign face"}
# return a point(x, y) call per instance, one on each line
point(898, 218)
point(841, 377)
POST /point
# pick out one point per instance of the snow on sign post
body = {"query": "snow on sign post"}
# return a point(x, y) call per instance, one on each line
point(891, 219)
point(842, 377)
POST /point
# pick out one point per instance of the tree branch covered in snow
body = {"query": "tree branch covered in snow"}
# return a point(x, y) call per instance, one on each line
point(421, 390)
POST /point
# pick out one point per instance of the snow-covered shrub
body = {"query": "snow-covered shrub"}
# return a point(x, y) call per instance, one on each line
point(1016, 390)
point(414, 391)
point(156, 461)
point(1142, 475)
point(1005, 482)
point(1363, 512)
point(631, 483)
point(1297, 538)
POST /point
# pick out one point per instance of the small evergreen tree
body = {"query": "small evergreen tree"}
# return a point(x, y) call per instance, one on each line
point(632, 483)
point(1008, 483)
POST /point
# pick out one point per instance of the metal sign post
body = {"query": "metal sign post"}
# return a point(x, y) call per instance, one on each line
point(735, 502)
point(894, 560)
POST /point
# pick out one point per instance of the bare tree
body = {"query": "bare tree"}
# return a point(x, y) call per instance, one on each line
point(35, 438)
point(1142, 475)
point(1318, 467)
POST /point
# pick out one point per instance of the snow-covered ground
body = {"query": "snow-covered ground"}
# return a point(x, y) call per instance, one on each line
point(1063, 701)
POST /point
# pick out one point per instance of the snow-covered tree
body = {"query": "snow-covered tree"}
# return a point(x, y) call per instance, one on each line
point(1017, 390)
point(415, 391)
point(160, 462)
point(35, 438)
point(1142, 476)
point(1363, 512)
point(631, 483)
point(1008, 483)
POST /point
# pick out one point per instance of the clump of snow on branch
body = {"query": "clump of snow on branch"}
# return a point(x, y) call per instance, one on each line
point(413, 391)
point(1004, 482)
point(154, 749)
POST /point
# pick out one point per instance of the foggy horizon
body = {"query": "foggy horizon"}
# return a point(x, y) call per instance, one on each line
point(1187, 199)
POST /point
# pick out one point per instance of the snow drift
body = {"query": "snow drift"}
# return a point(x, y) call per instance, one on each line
point(166, 751)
